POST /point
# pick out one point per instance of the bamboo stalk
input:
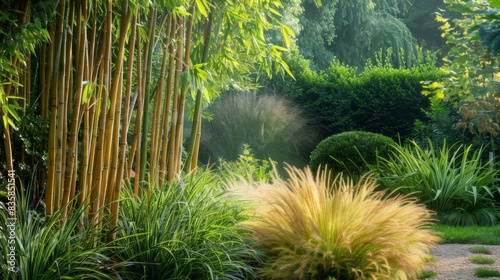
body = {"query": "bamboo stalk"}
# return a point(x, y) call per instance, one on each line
point(156, 122)
point(172, 142)
point(161, 111)
point(114, 114)
point(186, 39)
point(194, 140)
point(54, 176)
point(168, 97)
point(136, 143)
point(147, 92)
point(72, 154)
point(107, 134)
point(123, 137)
point(100, 171)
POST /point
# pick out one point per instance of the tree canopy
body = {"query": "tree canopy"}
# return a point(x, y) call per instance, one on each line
point(353, 31)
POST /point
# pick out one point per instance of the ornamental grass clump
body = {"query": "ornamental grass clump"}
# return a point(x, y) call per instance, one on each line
point(46, 248)
point(451, 180)
point(187, 230)
point(319, 227)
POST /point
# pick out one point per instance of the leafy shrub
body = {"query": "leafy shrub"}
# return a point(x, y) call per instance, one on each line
point(48, 249)
point(350, 152)
point(188, 230)
point(319, 228)
point(247, 167)
point(272, 126)
point(451, 180)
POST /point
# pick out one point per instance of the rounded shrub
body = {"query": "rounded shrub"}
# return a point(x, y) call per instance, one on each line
point(350, 152)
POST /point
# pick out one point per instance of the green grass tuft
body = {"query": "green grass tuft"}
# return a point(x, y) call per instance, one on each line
point(484, 272)
point(429, 259)
point(481, 260)
point(480, 250)
point(426, 274)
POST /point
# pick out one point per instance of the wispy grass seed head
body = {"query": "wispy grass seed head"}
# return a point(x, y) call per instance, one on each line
point(322, 227)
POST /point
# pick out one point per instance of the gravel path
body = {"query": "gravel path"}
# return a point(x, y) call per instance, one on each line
point(452, 262)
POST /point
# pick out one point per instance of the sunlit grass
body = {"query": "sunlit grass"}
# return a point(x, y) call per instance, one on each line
point(429, 259)
point(481, 260)
point(470, 235)
point(480, 250)
point(319, 227)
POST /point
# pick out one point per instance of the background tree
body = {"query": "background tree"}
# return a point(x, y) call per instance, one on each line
point(19, 36)
point(353, 31)
point(471, 87)
point(420, 20)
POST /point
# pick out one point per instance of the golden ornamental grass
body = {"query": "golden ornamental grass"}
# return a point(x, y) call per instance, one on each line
point(318, 228)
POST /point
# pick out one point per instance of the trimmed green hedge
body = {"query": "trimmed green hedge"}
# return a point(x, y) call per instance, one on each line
point(350, 152)
point(380, 99)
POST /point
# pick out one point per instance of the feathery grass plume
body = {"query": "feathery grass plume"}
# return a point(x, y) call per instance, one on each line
point(272, 126)
point(318, 228)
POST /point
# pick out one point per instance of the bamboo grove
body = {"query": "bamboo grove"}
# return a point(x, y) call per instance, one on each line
point(116, 80)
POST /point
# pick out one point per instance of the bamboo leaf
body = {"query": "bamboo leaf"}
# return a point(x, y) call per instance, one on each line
point(202, 7)
point(87, 91)
point(494, 3)
point(287, 33)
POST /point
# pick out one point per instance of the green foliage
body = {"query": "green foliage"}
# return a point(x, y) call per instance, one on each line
point(272, 126)
point(381, 99)
point(469, 235)
point(187, 230)
point(480, 250)
point(420, 20)
point(426, 274)
point(486, 14)
point(247, 167)
point(451, 180)
point(481, 260)
point(18, 41)
point(47, 249)
point(484, 272)
point(353, 31)
point(324, 228)
point(389, 101)
point(350, 152)
point(471, 86)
